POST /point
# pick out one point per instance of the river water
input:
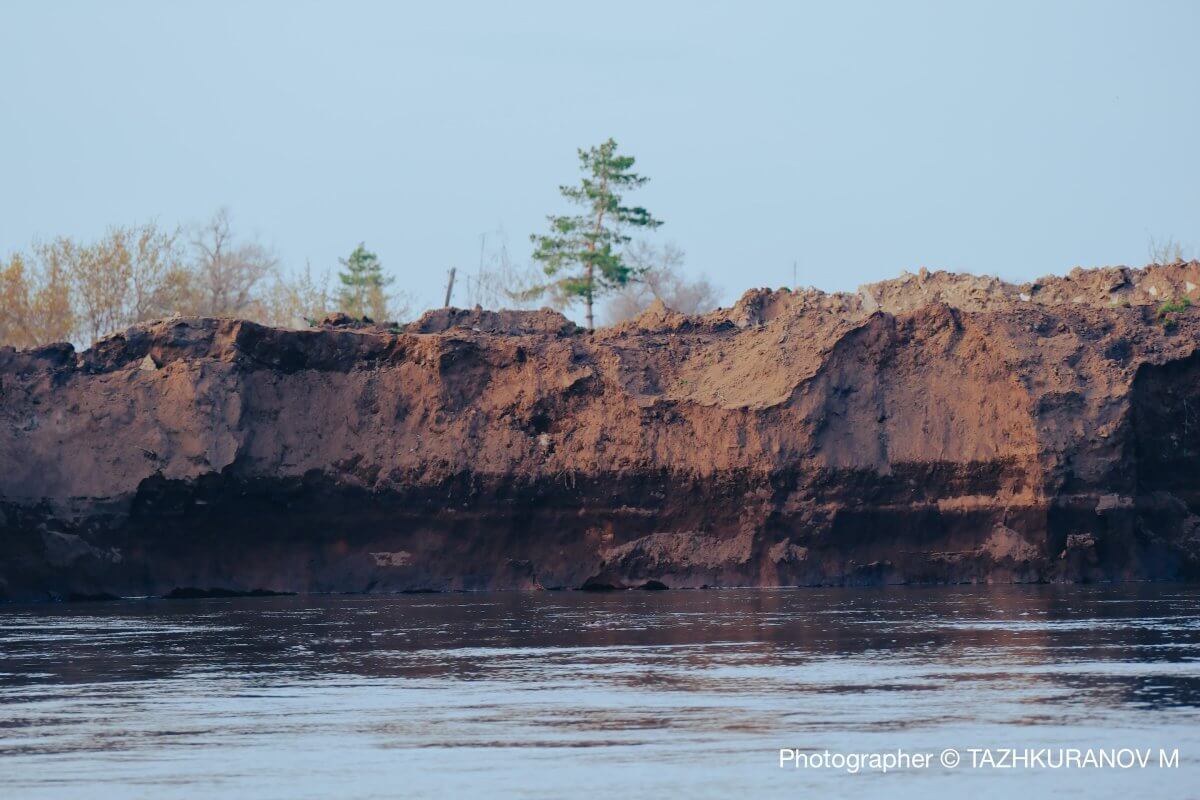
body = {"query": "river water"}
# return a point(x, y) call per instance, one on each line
point(631, 694)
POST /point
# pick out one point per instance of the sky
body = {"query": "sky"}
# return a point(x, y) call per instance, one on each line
point(845, 140)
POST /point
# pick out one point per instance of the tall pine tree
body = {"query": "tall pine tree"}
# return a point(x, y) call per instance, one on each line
point(362, 283)
point(586, 249)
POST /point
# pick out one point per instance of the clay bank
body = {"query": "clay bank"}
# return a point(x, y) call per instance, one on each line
point(932, 428)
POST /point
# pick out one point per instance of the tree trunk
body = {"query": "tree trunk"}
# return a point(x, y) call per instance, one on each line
point(591, 327)
point(592, 251)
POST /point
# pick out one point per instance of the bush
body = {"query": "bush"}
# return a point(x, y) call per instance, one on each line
point(1168, 309)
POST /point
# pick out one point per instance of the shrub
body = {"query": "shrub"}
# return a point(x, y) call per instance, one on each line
point(1168, 309)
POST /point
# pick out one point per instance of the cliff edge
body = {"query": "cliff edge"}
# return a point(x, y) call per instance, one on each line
point(933, 428)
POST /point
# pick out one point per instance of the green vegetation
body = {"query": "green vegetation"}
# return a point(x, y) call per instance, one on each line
point(1165, 251)
point(76, 290)
point(79, 291)
point(586, 249)
point(363, 285)
point(1168, 310)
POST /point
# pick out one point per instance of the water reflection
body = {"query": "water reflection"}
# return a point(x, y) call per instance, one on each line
point(640, 690)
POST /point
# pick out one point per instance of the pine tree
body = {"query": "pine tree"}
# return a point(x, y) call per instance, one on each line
point(362, 283)
point(587, 248)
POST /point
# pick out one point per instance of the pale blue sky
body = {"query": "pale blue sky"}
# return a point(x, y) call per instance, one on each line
point(857, 138)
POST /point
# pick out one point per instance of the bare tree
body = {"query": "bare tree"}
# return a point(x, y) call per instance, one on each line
point(229, 274)
point(157, 275)
point(661, 278)
point(394, 306)
point(1165, 251)
point(299, 301)
point(501, 283)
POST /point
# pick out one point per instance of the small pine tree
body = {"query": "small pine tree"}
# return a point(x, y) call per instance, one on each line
point(587, 247)
point(362, 283)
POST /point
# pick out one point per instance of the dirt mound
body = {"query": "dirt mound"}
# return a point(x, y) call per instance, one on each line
point(513, 323)
point(932, 428)
point(1150, 285)
point(1106, 287)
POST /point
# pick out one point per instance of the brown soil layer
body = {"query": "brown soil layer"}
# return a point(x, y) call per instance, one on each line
point(934, 428)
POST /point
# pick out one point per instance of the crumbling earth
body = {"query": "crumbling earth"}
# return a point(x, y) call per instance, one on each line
point(933, 428)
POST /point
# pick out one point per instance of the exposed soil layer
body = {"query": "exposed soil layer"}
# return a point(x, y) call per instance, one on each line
point(934, 428)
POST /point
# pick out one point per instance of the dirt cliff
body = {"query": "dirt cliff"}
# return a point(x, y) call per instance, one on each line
point(933, 428)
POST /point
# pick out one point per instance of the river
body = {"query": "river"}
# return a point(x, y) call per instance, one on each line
point(629, 694)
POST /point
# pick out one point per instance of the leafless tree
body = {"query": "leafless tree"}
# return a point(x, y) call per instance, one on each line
point(661, 278)
point(498, 282)
point(1165, 251)
point(155, 271)
point(298, 301)
point(228, 273)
